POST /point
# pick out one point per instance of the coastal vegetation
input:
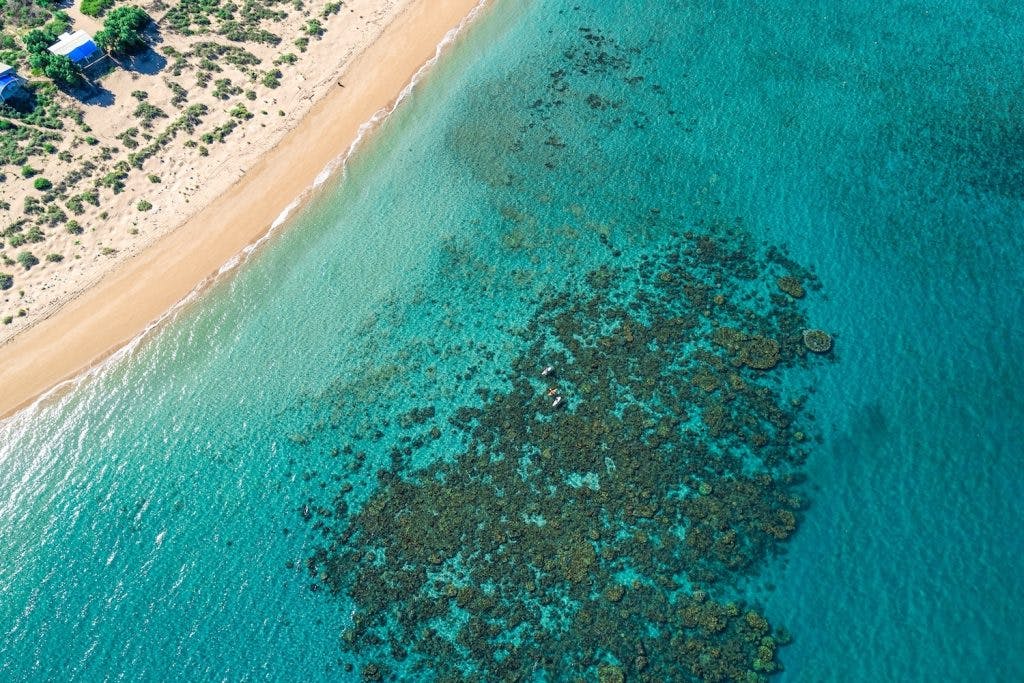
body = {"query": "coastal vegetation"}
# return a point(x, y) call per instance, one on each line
point(122, 30)
point(96, 8)
point(70, 169)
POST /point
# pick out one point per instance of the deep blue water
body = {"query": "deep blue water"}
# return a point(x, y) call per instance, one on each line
point(144, 512)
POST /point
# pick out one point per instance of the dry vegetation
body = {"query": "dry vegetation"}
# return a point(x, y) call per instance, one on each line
point(91, 172)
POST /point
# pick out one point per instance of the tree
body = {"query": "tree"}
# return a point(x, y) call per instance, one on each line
point(58, 67)
point(61, 69)
point(122, 30)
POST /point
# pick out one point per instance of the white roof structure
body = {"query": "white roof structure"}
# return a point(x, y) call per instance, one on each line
point(5, 69)
point(77, 46)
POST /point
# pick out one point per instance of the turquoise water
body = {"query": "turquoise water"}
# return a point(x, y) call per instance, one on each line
point(153, 517)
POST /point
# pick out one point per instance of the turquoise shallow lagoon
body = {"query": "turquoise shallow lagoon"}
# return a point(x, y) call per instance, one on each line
point(154, 520)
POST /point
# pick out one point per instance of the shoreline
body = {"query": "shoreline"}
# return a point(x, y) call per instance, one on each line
point(140, 292)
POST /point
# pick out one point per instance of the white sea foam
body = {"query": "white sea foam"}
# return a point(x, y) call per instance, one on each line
point(20, 421)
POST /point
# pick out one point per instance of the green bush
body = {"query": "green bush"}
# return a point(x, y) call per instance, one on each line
point(272, 79)
point(224, 89)
point(240, 112)
point(180, 95)
point(42, 184)
point(147, 113)
point(54, 258)
point(143, 205)
point(74, 228)
point(6, 281)
point(27, 259)
point(314, 28)
point(96, 8)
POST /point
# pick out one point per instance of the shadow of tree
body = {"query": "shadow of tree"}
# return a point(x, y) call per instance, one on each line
point(91, 93)
point(148, 62)
point(23, 101)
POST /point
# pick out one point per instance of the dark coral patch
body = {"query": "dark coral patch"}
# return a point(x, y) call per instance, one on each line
point(605, 537)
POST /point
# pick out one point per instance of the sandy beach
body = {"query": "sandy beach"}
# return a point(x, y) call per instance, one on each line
point(228, 205)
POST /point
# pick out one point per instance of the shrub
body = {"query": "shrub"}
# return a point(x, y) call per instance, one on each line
point(42, 184)
point(96, 8)
point(74, 228)
point(8, 319)
point(153, 178)
point(54, 258)
point(6, 281)
point(143, 205)
point(272, 79)
point(27, 171)
point(147, 113)
point(224, 88)
point(27, 259)
point(240, 112)
point(180, 95)
point(314, 28)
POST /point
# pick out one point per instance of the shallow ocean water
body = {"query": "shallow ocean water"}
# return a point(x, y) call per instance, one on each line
point(144, 512)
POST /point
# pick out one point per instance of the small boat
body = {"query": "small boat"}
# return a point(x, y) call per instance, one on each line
point(548, 371)
point(557, 402)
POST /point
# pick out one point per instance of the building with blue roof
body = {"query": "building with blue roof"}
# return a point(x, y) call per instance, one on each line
point(78, 47)
point(10, 84)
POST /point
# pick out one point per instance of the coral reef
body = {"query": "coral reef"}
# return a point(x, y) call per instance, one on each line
point(818, 341)
point(603, 539)
point(792, 286)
